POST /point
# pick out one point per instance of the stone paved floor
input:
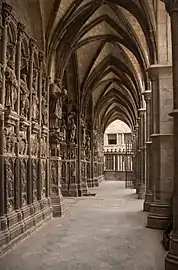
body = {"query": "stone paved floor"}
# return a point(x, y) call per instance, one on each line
point(102, 232)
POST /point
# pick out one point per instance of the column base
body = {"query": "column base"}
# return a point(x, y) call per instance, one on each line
point(57, 205)
point(95, 182)
point(141, 192)
point(137, 187)
point(90, 183)
point(159, 216)
point(171, 261)
point(148, 200)
point(84, 186)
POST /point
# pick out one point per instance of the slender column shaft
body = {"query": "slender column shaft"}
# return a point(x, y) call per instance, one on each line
point(30, 80)
point(6, 11)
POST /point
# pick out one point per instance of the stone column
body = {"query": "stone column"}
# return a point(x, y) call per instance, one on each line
point(6, 11)
point(141, 192)
point(30, 80)
point(136, 159)
point(148, 195)
point(171, 260)
point(162, 147)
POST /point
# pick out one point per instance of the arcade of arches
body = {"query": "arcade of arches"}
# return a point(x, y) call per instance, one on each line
point(68, 69)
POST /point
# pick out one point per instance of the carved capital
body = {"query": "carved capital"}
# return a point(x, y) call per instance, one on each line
point(6, 12)
point(147, 96)
point(171, 6)
point(141, 112)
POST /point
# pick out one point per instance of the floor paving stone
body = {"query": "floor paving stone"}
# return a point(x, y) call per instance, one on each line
point(106, 231)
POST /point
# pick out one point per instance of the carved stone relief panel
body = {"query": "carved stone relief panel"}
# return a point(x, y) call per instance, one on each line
point(23, 143)
point(9, 141)
point(23, 178)
point(34, 145)
point(9, 180)
point(34, 177)
point(44, 150)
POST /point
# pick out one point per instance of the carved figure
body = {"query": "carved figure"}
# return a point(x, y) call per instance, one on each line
point(9, 140)
point(35, 146)
point(22, 145)
point(54, 179)
point(63, 130)
point(73, 170)
point(24, 96)
point(11, 86)
point(35, 102)
point(43, 147)
point(23, 176)
point(55, 105)
point(88, 142)
point(44, 111)
point(72, 130)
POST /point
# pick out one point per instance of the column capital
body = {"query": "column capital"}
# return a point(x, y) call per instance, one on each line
point(171, 6)
point(147, 95)
point(141, 111)
point(155, 70)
